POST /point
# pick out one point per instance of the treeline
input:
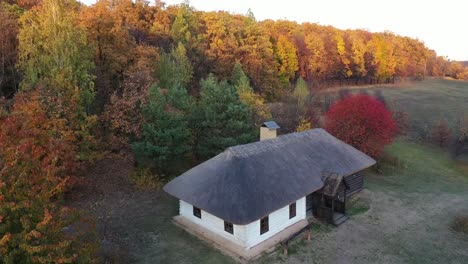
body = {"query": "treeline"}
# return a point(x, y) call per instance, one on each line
point(274, 54)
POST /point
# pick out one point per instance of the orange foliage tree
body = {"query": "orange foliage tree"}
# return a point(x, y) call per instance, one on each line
point(38, 164)
point(122, 116)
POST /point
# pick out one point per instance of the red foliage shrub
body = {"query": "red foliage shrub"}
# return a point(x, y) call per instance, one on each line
point(362, 121)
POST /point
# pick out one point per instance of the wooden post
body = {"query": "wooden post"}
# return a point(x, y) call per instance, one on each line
point(332, 211)
point(308, 234)
point(344, 201)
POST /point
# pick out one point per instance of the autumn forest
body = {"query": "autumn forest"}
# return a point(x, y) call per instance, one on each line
point(169, 85)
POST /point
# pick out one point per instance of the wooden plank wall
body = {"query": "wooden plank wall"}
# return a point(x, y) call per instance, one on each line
point(355, 183)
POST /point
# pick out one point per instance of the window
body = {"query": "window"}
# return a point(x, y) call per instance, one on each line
point(228, 227)
point(197, 212)
point(264, 225)
point(292, 210)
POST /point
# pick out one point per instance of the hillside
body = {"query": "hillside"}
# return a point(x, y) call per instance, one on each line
point(425, 101)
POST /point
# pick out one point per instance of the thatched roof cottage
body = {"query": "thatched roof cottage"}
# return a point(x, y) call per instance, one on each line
point(251, 193)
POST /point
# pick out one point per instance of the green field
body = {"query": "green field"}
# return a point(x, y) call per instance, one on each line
point(425, 101)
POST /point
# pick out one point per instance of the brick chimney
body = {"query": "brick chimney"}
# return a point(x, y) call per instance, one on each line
point(268, 130)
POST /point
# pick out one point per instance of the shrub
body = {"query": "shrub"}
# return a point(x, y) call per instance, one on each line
point(304, 124)
point(461, 136)
point(363, 122)
point(146, 179)
point(462, 128)
point(301, 94)
point(286, 115)
point(402, 121)
point(460, 224)
point(441, 133)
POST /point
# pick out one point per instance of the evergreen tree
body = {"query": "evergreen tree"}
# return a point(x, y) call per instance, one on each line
point(238, 75)
point(174, 69)
point(166, 134)
point(260, 112)
point(222, 120)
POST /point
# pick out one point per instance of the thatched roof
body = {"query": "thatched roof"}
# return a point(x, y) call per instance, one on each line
point(247, 182)
point(331, 183)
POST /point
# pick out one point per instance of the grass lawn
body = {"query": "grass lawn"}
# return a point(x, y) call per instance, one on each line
point(403, 216)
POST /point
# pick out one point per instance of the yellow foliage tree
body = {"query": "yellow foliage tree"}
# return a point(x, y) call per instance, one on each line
point(286, 58)
point(303, 125)
point(248, 97)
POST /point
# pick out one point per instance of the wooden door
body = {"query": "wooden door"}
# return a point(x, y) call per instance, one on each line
point(309, 202)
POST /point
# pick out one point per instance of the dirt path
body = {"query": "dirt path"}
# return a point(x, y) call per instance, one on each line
point(118, 207)
point(134, 225)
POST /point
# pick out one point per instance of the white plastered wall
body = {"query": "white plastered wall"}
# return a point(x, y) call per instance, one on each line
point(247, 235)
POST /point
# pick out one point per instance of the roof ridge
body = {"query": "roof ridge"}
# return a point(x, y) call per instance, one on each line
point(258, 147)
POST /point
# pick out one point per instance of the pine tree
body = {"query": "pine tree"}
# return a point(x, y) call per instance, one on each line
point(222, 120)
point(238, 75)
point(166, 135)
point(260, 112)
point(174, 69)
